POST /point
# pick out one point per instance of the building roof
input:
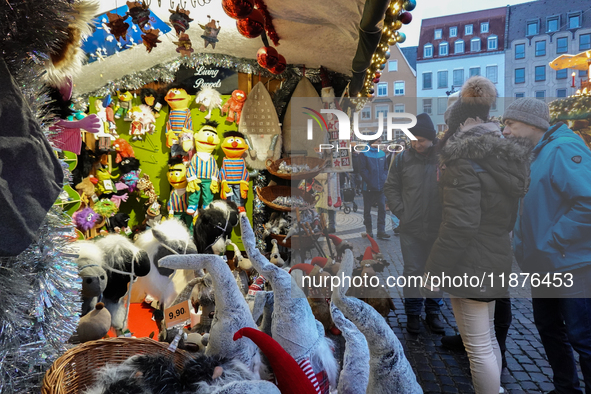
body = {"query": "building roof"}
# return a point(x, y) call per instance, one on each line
point(410, 53)
point(521, 13)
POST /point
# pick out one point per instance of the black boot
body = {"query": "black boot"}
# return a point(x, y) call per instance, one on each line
point(413, 324)
point(435, 323)
point(453, 342)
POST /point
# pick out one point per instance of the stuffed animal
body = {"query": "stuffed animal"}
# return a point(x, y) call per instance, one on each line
point(233, 107)
point(152, 99)
point(233, 174)
point(94, 278)
point(203, 173)
point(118, 223)
point(179, 119)
point(86, 190)
point(123, 149)
point(147, 119)
point(275, 257)
point(95, 325)
point(177, 202)
point(213, 225)
point(241, 267)
point(208, 98)
point(105, 184)
point(125, 104)
point(85, 219)
point(136, 129)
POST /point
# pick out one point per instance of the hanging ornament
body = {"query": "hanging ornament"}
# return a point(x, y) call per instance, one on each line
point(180, 20)
point(401, 37)
point(371, 91)
point(253, 26)
point(238, 9)
point(267, 57)
point(378, 75)
point(397, 25)
point(387, 55)
point(280, 66)
point(184, 45)
point(117, 26)
point(150, 39)
point(391, 41)
point(382, 66)
point(140, 14)
point(376, 80)
point(210, 32)
point(409, 5)
point(405, 17)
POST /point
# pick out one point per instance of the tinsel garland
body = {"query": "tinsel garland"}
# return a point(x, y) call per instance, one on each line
point(166, 72)
point(260, 212)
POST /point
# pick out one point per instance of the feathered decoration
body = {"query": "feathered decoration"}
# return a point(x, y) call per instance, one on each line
point(150, 39)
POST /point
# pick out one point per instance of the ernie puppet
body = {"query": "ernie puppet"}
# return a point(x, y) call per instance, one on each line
point(233, 174)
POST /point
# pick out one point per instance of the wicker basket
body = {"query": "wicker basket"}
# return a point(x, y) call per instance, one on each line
point(76, 369)
point(270, 193)
point(312, 162)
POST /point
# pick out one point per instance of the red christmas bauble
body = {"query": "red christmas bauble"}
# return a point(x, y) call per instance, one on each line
point(280, 66)
point(378, 75)
point(376, 80)
point(253, 26)
point(238, 9)
point(267, 57)
point(405, 17)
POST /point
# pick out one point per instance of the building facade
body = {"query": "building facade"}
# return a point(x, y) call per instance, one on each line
point(538, 32)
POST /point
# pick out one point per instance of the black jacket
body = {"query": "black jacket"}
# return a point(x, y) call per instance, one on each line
point(412, 193)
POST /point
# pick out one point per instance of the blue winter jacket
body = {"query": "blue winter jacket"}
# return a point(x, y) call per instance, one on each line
point(553, 229)
point(373, 169)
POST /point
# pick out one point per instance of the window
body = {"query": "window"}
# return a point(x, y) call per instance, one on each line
point(468, 30)
point(427, 106)
point(562, 74)
point(381, 109)
point(443, 49)
point(492, 73)
point(441, 105)
point(519, 51)
point(540, 48)
point(428, 50)
point(532, 28)
point(520, 75)
point(441, 127)
point(560, 92)
point(562, 45)
point(382, 89)
point(399, 88)
point(393, 65)
point(458, 77)
point(540, 73)
point(584, 42)
point(441, 79)
point(552, 24)
point(574, 20)
point(459, 46)
point(493, 107)
point(399, 108)
point(366, 113)
point(453, 31)
point(484, 27)
point(492, 43)
point(519, 95)
point(540, 94)
point(427, 80)
point(438, 34)
point(582, 73)
point(475, 45)
point(474, 71)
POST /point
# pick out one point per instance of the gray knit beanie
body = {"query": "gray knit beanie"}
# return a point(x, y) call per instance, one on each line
point(529, 110)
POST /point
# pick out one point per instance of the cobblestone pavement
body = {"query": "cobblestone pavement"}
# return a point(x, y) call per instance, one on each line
point(440, 370)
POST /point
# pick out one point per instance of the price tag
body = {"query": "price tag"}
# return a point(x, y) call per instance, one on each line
point(177, 314)
point(108, 185)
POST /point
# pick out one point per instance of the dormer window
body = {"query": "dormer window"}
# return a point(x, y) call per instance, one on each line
point(438, 34)
point(443, 49)
point(453, 31)
point(468, 29)
point(428, 50)
point(484, 27)
point(492, 43)
point(532, 28)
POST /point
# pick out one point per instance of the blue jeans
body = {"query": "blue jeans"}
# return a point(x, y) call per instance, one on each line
point(564, 324)
point(236, 197)
point(369, 198)
point(415, 252)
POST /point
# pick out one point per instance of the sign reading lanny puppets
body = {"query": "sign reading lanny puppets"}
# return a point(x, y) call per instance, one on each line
point(221, 79)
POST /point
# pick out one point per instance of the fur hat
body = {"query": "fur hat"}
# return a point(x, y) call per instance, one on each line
point(477, 95)
point(529, 110)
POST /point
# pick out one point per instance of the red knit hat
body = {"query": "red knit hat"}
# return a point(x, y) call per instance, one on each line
point(335, 240)
point(374, 245)
point(321, 261)
point(290, 377)
point(309, 269)
point(368, 255)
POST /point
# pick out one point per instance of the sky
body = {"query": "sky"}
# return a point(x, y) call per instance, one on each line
point(434, 8)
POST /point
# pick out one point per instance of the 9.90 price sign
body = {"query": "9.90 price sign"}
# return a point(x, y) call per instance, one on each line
point(177, 314)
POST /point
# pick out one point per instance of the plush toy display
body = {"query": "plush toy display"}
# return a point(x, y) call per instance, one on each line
point(123, 149)
point(94, 278)
point(203, 172)
point(233, 174)
point(179, 119)
point(86, 219)
point(233, 107)
point(177, 203)
point(122, 109)
point(136, 129)
point(208, 99)
point(152, 99)
point(95, 325)
point(214, 225)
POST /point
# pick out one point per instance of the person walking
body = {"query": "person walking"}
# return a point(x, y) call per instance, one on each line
point(412, 194)
point(482, 177)
point(373, 168)
point(552, 239)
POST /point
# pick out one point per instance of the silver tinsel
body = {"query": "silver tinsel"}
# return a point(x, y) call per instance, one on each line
point(260, 212)
point(39, 294)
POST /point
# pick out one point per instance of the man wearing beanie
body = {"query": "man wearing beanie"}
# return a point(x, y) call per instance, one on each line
point(552, 237)
point(412, 194)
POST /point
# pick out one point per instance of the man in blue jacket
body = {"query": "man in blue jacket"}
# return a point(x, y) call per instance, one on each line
point(373, 168)
point(552, 239)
